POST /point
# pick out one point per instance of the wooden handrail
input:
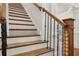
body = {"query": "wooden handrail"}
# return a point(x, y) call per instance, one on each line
point(50, 14)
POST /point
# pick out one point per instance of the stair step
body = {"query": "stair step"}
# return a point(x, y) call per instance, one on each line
point(27, 17)
point(13, 7)
point(15, 45)
point(17, 10)
point(35, 52)
point(17, 14)
point(31, 35)
point(15, 4)
point(19, 32)
point(21, 24)
point(23, 29)
point(21, 39)
point(20, 20)
point(20, 7)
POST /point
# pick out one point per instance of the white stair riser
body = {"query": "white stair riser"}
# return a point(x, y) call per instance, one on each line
point(19, 18)
point(15, 15)
point(14, 51)
point(20, 22)
point(21, 39)
point(21, 27)
point(23, 32)
point(17, 12)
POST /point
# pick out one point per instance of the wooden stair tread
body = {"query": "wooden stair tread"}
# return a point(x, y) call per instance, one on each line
point(21, 44)
point(18, 14)
point(35, 52)
point(20, 20)
point(27, 17)
point(17, 11)
point(13, 7)
point(23, 29)
point(21, 24)
point(31, 35)
point(17, 6)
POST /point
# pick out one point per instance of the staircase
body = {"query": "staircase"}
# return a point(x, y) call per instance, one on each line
point(23, 38)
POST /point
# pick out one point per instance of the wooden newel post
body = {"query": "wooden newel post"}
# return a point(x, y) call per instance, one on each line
point(69, 37)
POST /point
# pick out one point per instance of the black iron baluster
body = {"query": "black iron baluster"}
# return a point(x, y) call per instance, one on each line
point(54, 38)
point(62, 40)
point(4, 38)
point(57, 39)
point(50, 32)
point(45, 29)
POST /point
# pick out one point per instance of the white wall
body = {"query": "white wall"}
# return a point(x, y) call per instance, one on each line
point(76, 27)
point(35, 15)
point(62, 10)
